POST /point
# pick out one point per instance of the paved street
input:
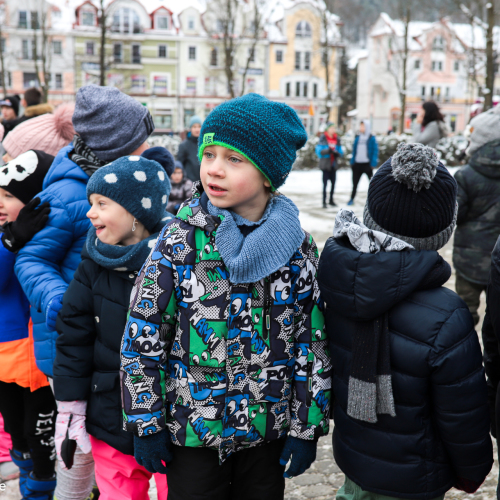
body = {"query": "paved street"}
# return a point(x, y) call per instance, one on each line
point(324, 478)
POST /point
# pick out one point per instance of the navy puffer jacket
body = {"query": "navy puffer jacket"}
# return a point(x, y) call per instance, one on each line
point(441, 429)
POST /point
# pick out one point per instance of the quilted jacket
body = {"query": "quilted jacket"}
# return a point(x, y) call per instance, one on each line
point(45, 266)
point(223, 365)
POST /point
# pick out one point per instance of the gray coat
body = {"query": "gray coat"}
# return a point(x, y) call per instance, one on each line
point(430, 135)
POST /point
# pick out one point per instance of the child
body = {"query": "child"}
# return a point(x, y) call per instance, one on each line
point(46, 264)
point(224, 358)
point(364, 156)
point(411, 415)
point(328, 151)
point(26, 403)
point(128, 199)
point(181, 189)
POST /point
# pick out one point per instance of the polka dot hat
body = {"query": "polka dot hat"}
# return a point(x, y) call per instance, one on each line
point(137, 184)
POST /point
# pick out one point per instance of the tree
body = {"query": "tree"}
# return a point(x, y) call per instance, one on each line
point(2, 62)
point(102, 49)
point(39, 24)
point(490, 57)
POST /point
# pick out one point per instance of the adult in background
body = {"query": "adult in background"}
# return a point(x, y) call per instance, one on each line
point(429, 127)
point(181, 189)
point(10, 107)
point(364, 156)
point(478, 219)
point(328, 151)
point(188, 150)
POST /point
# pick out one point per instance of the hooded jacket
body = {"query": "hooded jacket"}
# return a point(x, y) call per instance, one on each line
point(188, 156)
point(478, 219)
point(45, 266)
point(441, 429)
point(235, 365)
point(371, 144)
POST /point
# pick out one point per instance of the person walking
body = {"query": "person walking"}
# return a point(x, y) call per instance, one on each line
point(364, 156)
point(188, 150)
point(328, 151)
point(478, 218)
point(429, 127)
point(225, 369)
point(411, 409)
point(94, 313)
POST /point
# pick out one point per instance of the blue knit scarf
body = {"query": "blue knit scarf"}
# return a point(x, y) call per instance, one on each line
point(121, 258)
point(267, 248)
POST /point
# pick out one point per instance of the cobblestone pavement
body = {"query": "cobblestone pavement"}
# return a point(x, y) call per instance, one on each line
point(324, 478)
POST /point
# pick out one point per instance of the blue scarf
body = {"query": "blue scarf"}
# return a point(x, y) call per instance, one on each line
point(268, 247)
point(121, 258)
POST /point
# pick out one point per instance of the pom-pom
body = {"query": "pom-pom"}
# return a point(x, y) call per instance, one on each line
point(63, 121)
point(163, 156)
point(414, 165)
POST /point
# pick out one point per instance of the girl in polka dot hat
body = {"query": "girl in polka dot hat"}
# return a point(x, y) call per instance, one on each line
point(128, 199)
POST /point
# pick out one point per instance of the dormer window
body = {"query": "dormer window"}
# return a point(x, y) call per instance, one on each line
point(303, 29)
point(162, 22)
point(190, 23)
point(439, 43)
point(126, 20)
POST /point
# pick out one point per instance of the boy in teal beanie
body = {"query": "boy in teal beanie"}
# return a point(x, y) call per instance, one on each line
point(225, 368)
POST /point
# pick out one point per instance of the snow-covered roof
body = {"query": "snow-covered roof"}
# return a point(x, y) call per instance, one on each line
point(355, 54)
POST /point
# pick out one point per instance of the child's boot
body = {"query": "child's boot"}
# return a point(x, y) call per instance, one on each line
point(39, 489)
point(25, 464)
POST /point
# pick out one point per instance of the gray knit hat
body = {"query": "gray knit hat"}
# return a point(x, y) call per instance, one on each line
point(111, 123)
point(414, 198)
point(485, 128)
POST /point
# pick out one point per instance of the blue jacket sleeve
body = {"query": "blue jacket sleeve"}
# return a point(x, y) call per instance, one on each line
point(374, 154)
point(7, 259)
point(38, 263)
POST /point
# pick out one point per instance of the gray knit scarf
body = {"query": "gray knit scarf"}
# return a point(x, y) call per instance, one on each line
point(84, 157)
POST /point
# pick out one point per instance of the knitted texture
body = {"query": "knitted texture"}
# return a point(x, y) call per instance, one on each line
point(268, 133)
point(151, 450)
point(411, 199)
point(23, 176)
point(48, 133)
point(195, 120)
point(139, 185)
point(302, 454)
point(163, 156)
point(111, 123)
point(243, 256)
point(485, 128)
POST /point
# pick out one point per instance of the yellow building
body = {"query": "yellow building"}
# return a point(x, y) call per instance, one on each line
point(304, 61)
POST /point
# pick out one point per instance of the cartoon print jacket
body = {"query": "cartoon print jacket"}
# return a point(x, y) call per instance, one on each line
point(223, 365)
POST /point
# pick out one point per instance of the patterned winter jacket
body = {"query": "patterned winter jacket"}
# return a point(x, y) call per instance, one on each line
point(222, 365)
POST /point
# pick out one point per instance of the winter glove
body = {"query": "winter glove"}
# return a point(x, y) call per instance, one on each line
point(53, 308)
point(151, 450)
point(302, 452)
point(70, 426)
point(29, 221)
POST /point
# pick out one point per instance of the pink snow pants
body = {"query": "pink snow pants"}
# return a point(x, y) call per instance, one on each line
point(5, 443)
point(120, 477)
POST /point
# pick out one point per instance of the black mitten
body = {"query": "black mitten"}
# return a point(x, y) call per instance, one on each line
point(31, 219)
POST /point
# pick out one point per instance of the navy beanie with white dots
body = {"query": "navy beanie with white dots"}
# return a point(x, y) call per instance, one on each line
point(266, 132)
point(139, 185)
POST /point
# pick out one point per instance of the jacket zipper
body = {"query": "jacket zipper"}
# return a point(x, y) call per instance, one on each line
point(309, 383)
point(267, 308)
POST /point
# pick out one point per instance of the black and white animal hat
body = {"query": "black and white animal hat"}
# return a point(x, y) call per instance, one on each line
point(23, 176)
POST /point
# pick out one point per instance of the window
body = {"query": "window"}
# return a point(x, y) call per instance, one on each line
point(439, 43)
point(30, 80)
point(297, 60)
point(117, 52)
point(160, 84)
point(315, 90)
point(162, 22)
point(58, 81)
point(213, 57)
point(188, 113)
point(440, 66)
point(279, 56)
point(87, 18)
point(115, 80)
point(432, 91)
point(447, 92)
point(8, 78)
point(136, 53)
point(297, 89)
point(26, 49)
point(23, 19)
point(417, 64)
point(163, 119)
point(138, 84)
point(57, 47)
point(303, 29)
point(126, 20)
point(437, 66)
point(191, 23)
point(456, 66)
point(307, 60)
point(89, 48)
point(34, 20)
point(192, 53)
point(162, 51)
point(305, 89)
point(56, 15)
point(191, 85)
point(251, 55)
point(251, 84)
point(210, 88)
point(288, 89)
point(423, 91)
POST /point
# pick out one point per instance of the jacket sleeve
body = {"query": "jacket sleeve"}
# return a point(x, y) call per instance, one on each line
point(74, 362)
point(460, 400)
point(462, 197)
point(312, 377)
point(7, 260)
point(182, 154)
point(148, 334)
point(374, 157)
point(38, 262)
point(428, 135)
point(319, 150)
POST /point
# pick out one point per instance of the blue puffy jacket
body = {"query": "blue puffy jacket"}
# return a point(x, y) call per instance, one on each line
point(372, 150)
point(46, 265)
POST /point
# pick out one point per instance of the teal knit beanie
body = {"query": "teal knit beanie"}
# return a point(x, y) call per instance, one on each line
point(139, 185)
point(267, 133)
